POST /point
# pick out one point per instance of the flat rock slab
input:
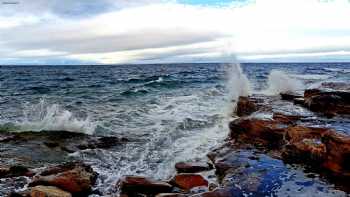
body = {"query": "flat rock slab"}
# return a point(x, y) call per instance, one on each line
point(34, 149)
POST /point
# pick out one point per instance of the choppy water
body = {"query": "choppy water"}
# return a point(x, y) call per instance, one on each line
point(176, 112)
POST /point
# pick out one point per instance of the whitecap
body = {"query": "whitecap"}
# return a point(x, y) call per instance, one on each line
point(44, 117)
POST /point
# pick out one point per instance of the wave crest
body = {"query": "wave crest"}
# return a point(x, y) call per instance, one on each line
point(44, 117)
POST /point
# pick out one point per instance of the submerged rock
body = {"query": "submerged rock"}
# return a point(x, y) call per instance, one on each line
point(132, 185)
point(76, 178)
point(192, 167)
point(188, 181)
point(15, 171)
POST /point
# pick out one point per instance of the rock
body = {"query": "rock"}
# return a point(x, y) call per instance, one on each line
point(15, 171)
point(188, 181)
point(266, 132)
point(50, 147)
point(171, 195)
point(245, 106)
point(192, 167)
point(48, 191)
point(136, 184)
point(289, 96)
point(76, 178)
point(339, 86)
point(338, 154)
point(329, 103)
point(286, 119)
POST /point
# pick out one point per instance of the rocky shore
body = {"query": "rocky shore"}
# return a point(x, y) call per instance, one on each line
point(261, 142)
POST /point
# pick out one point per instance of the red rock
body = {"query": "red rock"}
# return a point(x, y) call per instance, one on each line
point(192, 167)
point(256, 131)
point(76, 178)
point(48, 191)
point(286, 119)
point(138, 184)
point(245, 106)
point(188, 181)
point(338, 154)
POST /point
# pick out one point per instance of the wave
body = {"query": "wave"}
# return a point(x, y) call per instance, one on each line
point(341, 70)
point(44, 117)
point(311, 77)
point(134, 91)
point(147, 79)
point(281, 82)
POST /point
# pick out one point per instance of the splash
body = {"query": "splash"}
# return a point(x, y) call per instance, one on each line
point(281, 82)
point(237, 85)
point(44, 117)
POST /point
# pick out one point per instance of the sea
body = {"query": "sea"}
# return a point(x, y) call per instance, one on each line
point(171, 112)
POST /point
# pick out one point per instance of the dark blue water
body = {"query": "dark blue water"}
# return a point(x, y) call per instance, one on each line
point(178, 111)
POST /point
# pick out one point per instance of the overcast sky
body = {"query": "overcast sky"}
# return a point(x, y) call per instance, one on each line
point(157, 31)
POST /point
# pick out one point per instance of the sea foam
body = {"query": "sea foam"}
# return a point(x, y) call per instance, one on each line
point(44, 117)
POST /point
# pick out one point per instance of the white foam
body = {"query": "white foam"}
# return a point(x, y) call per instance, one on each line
point(238, 83)
point(281, 82)
point(311, 77)
point(44, 117)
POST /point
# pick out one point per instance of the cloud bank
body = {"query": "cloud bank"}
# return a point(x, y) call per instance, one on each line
point(155, 31)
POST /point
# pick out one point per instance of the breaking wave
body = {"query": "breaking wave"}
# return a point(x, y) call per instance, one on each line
point(44, 117)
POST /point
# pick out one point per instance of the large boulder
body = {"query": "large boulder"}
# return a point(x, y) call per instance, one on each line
point(76, 178)
point(132, 185)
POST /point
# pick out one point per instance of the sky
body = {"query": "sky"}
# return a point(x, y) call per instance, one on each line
point(160, 31)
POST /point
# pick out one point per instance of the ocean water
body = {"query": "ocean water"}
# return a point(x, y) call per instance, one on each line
point(176, 112)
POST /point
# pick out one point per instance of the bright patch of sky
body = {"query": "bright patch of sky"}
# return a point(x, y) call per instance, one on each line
point(157, 31)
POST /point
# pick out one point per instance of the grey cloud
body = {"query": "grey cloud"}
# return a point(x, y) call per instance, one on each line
point(66, 8)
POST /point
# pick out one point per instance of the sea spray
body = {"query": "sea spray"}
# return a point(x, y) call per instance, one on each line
point(237, 84)
point(281, 82)
point(44, 117)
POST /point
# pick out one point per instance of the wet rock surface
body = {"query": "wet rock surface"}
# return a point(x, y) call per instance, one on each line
point(188, 181)
point(76, 178)
point(245, 106)
point(192, 167)
point(133, 185)
point(35, 148)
